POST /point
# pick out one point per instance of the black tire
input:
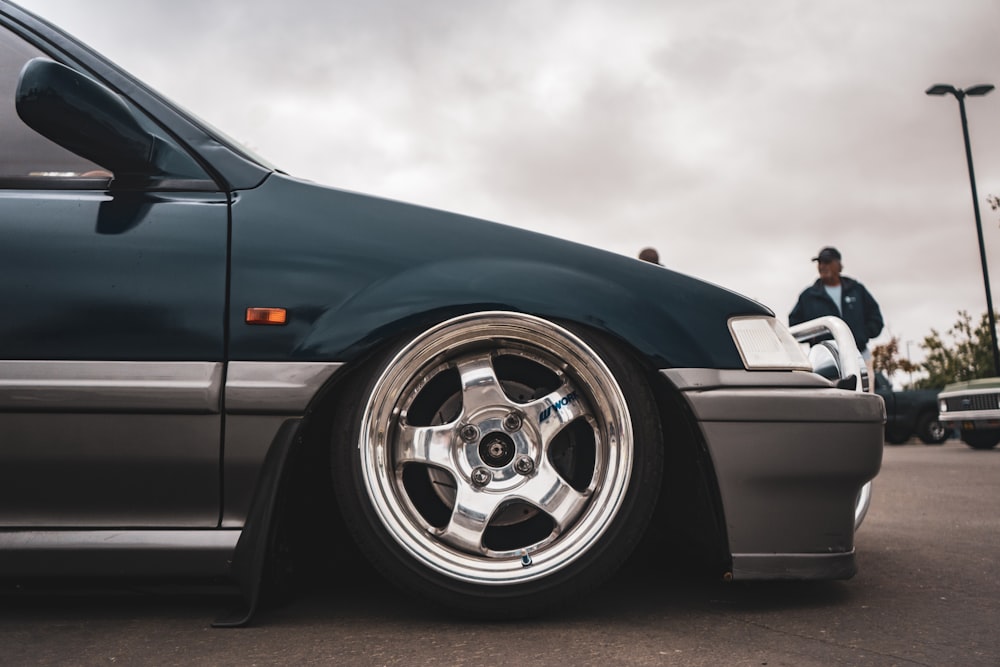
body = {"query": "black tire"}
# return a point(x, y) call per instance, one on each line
point(499, 464)
point(981, 439)
point(896, 437)
point(930, 430)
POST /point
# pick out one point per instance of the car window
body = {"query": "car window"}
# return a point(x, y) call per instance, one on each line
point(29, 160)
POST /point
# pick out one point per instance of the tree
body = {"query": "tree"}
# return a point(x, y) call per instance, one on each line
point(967, 355)
point(886, 358)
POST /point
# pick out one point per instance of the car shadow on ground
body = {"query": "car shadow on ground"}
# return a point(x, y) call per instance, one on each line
point(642, 588)
point(352, 589)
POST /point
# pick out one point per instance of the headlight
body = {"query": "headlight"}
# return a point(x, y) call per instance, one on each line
point(765, 344)
point(942, 405)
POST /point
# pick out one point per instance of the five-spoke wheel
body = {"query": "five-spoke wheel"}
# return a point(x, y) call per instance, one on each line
point(500, 462)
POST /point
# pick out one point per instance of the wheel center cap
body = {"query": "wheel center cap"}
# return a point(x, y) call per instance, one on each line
point(496, 449)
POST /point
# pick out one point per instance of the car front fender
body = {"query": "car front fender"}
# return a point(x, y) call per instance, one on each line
point(422, 295)
point(352, 270)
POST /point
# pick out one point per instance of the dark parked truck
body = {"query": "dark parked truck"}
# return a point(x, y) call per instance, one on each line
point(973, 408)
point(910, 412)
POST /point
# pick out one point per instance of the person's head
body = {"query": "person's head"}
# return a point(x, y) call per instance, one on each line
point(829, 266)
point(649, 255)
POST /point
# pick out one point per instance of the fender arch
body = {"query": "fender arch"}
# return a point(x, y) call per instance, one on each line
point(427, 293)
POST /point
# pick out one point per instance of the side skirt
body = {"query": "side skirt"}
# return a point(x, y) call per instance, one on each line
point(115, 553)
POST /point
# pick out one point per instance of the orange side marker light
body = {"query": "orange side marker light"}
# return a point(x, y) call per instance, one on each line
point(266, 316)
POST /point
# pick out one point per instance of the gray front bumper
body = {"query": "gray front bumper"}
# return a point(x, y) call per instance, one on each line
point(790, 452)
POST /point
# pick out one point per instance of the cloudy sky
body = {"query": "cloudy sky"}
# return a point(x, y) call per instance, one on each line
point(736, 137)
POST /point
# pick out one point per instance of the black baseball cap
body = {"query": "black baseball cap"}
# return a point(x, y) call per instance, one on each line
point(827, 254)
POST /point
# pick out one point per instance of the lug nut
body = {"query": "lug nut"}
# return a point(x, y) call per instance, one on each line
point(469, 433)
point(512, 422)
point(524, 465)
point(481, 476)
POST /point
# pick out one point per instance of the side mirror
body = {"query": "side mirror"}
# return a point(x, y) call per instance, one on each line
point(84, 117)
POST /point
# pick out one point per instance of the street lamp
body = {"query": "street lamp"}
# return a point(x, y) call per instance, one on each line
point(960, 95)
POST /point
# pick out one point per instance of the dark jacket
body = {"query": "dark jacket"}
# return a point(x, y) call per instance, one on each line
point(860, 311)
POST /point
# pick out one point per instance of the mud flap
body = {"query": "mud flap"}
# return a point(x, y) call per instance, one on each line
point(258, 535)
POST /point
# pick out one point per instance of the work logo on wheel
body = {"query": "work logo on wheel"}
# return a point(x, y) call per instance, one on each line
point(558, 405)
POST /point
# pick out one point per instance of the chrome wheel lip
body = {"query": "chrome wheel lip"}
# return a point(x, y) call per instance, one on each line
point(861, 504)
point(453, 340)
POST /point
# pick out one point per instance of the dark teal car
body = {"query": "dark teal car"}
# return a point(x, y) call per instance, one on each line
point(497, 415)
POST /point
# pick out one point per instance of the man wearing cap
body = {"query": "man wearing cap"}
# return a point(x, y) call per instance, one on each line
point(846, 298)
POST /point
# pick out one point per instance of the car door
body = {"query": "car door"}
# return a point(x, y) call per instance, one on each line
point(112, 334)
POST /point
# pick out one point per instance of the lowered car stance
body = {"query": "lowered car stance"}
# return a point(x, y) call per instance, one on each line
point(498, 416)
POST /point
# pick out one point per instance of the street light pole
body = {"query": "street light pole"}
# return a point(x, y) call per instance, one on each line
point(910, 360)
point(960, 95)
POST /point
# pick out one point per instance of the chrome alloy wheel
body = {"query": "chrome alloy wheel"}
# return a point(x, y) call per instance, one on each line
point(496, 448)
